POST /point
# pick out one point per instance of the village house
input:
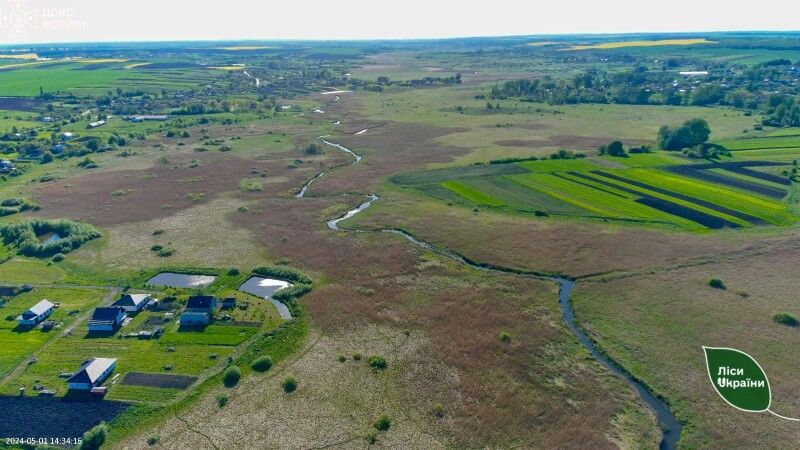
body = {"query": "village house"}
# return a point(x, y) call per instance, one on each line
point(91, 374)
point(67, 135)
point(199, 310)
point(106, 319)
point(36, 314)
point(6, 166)
point(133, 303)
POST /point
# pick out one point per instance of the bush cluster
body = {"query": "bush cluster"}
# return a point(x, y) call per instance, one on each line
point(283, 273)
point(24, 236)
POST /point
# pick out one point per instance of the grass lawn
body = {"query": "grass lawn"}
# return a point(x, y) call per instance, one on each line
point(16, 345)
point(22, 270)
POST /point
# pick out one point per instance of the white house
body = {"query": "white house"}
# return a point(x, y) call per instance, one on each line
point(67, 135)
point(91, 374)
point(36, 314)
point(106, 319)
point(132, 303)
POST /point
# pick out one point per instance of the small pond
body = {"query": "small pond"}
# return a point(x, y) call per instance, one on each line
point(181, 280)
point(49, 238)
point(265, 288)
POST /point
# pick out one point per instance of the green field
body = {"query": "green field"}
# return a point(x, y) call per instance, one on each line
point(644, 193)
point(16, 345)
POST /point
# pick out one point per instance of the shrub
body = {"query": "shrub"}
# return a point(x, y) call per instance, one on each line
point(383, 423)
point(222, 400)
point(289, 384)
point(156, 247)
point(288, 294)
point(438, 410)
point(58, 257)
point(165, 252)
point(341, 358)
point(231, 376)
point(283, 273)
point(377, 362)
point(505, 337)
point(786, 319)
point(152, 440)
point(313, 149)
point(716, 283)
point(262, 364)
point(250, 186)
point(356, 356)
point(94, 438)
point(233, 271)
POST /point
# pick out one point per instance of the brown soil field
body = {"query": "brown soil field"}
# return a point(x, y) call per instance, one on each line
point(393, 148)
point(118, 197)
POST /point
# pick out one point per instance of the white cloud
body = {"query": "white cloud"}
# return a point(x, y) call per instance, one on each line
point(152, 20)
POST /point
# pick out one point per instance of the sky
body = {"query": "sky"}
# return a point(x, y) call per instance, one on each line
point(42, 21)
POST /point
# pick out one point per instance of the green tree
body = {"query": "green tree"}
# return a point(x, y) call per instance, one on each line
point(94, 438)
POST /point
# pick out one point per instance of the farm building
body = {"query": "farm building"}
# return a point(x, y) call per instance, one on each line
point(141, 118)
point(106, 319)
point(36, 314)
point(132, 303)
point(199, 310)
point(96, 124)
point(91, 374)
point(694, 73)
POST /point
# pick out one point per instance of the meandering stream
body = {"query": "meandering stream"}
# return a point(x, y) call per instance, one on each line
point(670, 427)
point(356, 159)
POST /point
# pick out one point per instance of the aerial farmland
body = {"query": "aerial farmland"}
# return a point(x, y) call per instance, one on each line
point(496, 242)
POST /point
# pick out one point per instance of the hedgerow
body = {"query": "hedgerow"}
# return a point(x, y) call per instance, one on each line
point(283, 273)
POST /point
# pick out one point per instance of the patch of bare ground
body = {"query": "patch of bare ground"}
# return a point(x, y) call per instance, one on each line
point(200, 236)
point(183, 181)
point(655, 324)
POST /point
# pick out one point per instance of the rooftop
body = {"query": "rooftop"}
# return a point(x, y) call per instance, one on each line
point(91, 370)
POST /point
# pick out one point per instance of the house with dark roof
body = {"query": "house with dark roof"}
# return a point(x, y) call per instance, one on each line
point(106, 319)
point(91, 374)
point(228, 303)
point(132, 303)
point(199, 310)
point(36, 314)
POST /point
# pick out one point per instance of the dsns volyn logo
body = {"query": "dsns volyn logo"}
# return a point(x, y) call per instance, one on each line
point(19, 19)
point(16, 17)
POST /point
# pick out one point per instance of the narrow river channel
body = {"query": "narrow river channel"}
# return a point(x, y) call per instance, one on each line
point(670, 427)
